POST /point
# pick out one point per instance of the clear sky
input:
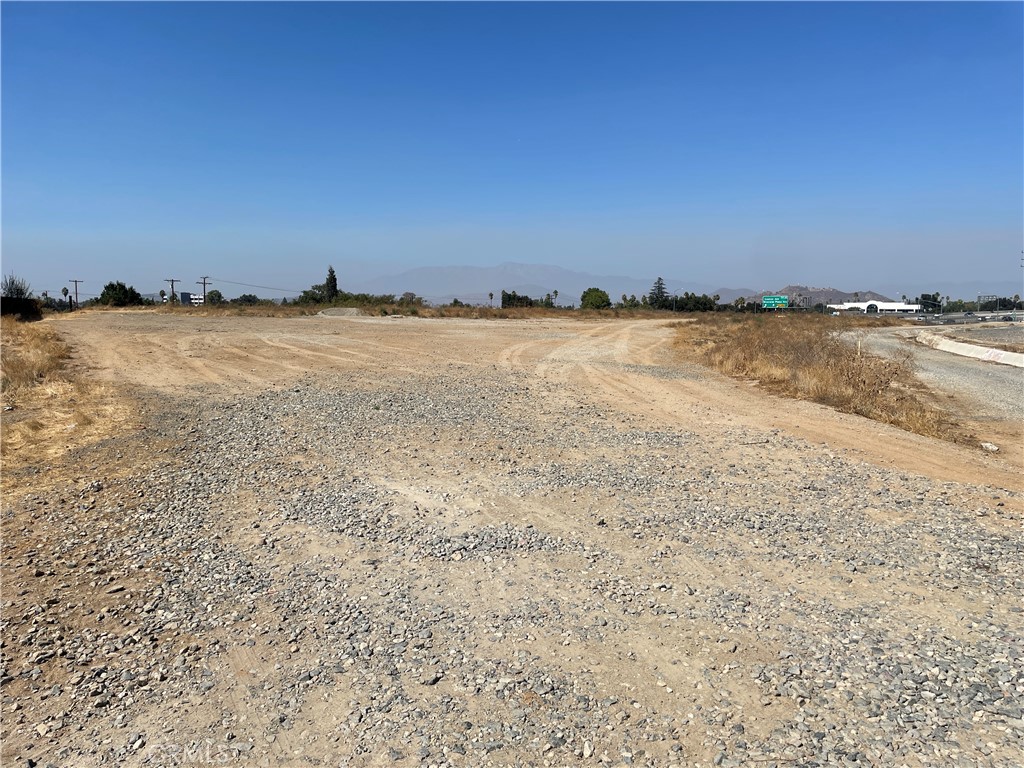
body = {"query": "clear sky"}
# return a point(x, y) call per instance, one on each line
point(854, 145)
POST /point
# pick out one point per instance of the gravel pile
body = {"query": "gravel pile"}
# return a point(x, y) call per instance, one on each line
point(479, 569)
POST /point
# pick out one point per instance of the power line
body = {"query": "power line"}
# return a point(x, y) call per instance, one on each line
point(203, 281)
point(76, 282)
point(54, 294)
point(172, 281)
point(250, 285)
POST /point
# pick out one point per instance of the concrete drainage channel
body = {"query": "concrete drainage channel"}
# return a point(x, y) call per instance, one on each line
point(944, 344)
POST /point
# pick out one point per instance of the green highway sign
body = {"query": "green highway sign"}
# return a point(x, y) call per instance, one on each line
point(774, 302)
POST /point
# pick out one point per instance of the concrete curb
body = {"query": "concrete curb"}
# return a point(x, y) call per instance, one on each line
point(944, 344)
point(341, 312)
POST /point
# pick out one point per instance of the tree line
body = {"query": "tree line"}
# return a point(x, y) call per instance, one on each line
point(657, 298)
point(936, 303)
point(118, 294)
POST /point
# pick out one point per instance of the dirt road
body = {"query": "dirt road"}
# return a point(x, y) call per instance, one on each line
point(226, 356)
point(401, 541)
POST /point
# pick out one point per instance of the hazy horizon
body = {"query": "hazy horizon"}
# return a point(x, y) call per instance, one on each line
point(864, 146)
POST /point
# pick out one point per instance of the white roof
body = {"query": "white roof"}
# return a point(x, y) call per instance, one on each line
point(891, 305)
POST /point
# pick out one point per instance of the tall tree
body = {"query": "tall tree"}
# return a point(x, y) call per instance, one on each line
point(513, 299)
point(119, 295)
point(595, 298)
point(13, 287)
point(657, 297)
point(331, 285)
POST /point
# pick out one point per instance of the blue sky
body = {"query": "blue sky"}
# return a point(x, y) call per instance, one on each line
point(857, 145)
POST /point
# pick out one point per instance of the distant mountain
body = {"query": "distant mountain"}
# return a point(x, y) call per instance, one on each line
point(802, 295)
point(473, 284)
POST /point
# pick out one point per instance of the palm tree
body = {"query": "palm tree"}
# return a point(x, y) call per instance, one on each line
point(555, 294)
point(490, 298)
point(64, 293)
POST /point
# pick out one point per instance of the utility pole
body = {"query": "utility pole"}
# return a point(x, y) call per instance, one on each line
point(76, 282)
point(203, 281)
point(172, 281)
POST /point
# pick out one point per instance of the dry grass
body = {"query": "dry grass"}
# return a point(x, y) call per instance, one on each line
point(808, 357)
point(519, 313)
point(466, 312)
point(494, 313)
point(47, 411)
point(29, 353)
point(238, 310)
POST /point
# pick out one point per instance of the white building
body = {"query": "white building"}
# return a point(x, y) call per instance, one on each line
point(877, 307)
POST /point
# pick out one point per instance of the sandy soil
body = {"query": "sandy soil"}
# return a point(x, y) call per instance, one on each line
point(234, 355)
point(625, 369)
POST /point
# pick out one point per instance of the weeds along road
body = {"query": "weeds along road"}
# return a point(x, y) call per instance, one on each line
point(366, 541)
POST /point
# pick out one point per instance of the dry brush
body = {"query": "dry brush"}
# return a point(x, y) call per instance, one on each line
point(820, 359)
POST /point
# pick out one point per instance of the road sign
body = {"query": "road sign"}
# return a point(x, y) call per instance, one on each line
point(774, 302)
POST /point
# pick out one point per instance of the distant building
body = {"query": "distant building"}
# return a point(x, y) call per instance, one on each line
point(877, 307)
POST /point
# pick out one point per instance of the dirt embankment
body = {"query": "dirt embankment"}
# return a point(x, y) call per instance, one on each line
point(376, 541)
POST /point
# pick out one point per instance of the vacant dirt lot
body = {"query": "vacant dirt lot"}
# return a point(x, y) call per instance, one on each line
point(384, 541)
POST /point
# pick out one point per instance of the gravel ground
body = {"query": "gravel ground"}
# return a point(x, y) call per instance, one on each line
point(1003, 333)
point(479, 565)
point(993, 388)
